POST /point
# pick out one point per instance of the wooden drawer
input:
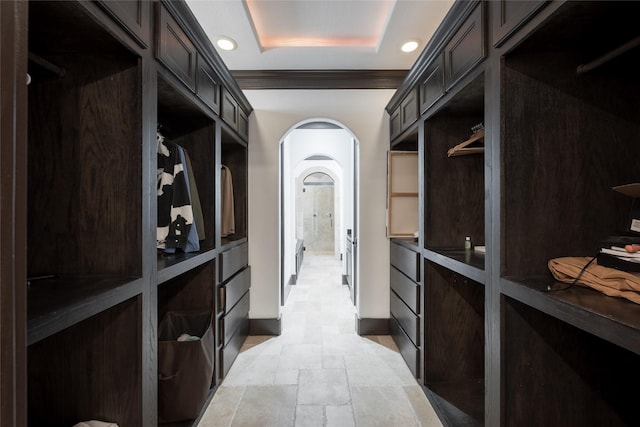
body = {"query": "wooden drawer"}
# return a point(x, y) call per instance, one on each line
point(229, 352)
point(230, 323)
point(174, 49)
point(408, 320)
point(432, 87)
point(208, 85)
point(466, 49)
point(507, 16)
point(233, 260)
point(410, 353)
point(405, 260)
point(406, 289)
point(234, 289)
point(133, 15)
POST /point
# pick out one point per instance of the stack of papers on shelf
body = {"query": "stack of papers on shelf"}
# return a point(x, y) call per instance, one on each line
point(622, 254)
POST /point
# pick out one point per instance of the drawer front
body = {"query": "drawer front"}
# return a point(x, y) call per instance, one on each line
point(234, 289)
point(208, 85)
point(507, 16)
point(233, 260)
point(229, 353)
point(408, 320)
point(407, 290)
point(134, 16)
point(175, 50)
point(234, 319)
point(406, 261)
point(433, 84)
point(466, 49)
point(229, 109)
point(409, 109)
point(410, 353)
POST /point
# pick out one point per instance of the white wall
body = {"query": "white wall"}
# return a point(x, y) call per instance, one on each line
point(275, 113)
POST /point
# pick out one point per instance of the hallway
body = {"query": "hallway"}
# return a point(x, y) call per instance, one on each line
point(319, 372)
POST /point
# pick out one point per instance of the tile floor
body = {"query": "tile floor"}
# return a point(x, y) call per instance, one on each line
point(319, 372)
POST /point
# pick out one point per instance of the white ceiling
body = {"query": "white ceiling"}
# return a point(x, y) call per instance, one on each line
point(320, 34)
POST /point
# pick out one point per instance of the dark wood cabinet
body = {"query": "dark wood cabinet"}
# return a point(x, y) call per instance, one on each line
point(234, 115)
point(208, 84)
point(406, 114)
point(87, 283)
point(406, 321)
point(174, 48)
point(134, 16)
point(507, 16)
point(501, 342)
point(233, 304)
point(432, 86)
point(466, 49)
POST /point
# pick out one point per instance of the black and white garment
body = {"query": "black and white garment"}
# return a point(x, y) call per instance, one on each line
point(175, 213)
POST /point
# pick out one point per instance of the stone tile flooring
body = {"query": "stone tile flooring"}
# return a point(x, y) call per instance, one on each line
point(319, 372)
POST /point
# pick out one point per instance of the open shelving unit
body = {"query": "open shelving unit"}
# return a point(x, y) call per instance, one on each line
point(556, 92)
point(102, 77)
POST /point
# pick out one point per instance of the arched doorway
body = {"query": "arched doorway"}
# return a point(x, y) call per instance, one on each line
point(318, 162)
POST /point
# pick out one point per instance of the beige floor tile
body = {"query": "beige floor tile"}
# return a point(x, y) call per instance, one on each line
point(319, 372)
point(309, 416)
point(382, 407)
point(339, 416)
point(222, 408)
point(323, 387)
point(266, 406)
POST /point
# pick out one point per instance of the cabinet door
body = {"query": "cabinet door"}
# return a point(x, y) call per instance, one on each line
point(243, 123)
point(432, 87)
point(466, 49)
point(395, 124)
point(229, 109)
point(402, 193)
point(133, 16)
point(175, 50)
point(409, 109)
point(207, 85)
point(509, 15)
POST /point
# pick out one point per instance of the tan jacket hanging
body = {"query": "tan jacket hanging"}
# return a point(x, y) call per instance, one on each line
point(228, 215)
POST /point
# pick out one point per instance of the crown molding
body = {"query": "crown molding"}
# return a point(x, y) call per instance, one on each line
point(319, 79)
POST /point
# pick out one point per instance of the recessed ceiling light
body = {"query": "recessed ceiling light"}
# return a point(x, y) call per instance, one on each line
point(410, 46)
point(226, 43)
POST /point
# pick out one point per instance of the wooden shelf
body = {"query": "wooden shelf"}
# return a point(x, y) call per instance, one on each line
point(613, 319)
point(466, 263)
point(56, 304)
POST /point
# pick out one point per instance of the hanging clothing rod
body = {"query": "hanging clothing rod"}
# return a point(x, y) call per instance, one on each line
point(40, 61)
point(584, 68)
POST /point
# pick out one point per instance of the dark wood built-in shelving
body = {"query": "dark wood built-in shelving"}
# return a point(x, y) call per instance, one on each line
point(502, 343)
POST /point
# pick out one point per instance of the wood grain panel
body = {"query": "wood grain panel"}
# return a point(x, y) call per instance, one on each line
point(190, 291)
point(79, 374)
point(234, 156)
point(562, 152)
point(85, 169)
point(454, 186)
point(454, 326)
point(574, 378)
